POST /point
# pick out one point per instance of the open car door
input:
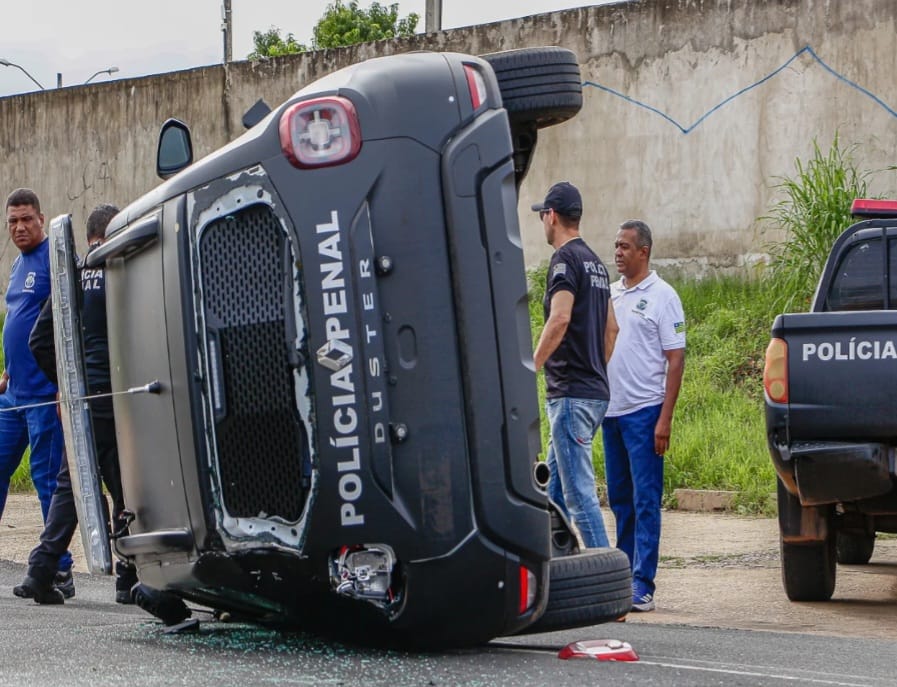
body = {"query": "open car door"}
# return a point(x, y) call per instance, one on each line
point(76, 424)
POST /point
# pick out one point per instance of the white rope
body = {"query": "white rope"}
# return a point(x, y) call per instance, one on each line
point(153, 387)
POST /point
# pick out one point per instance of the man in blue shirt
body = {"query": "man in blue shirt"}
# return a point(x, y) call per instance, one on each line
point(23, 421)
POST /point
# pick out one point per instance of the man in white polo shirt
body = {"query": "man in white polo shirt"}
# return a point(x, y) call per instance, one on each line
point(645, 375)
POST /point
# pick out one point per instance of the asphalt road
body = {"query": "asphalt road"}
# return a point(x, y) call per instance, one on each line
point(92, 641)
point(722, 619)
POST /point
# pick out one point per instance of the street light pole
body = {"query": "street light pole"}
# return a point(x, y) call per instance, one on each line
point(7, 63)
point(109, 71)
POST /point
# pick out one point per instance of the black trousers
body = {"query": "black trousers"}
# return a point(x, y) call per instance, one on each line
point(62, 518)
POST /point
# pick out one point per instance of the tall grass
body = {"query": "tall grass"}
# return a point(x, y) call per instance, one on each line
point(813, 210)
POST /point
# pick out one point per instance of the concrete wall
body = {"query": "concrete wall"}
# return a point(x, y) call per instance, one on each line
point(688, 117)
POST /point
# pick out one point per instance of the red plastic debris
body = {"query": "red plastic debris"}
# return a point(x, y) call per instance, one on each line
point(600, 649)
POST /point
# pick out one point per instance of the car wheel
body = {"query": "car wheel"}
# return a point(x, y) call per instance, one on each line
point(855, 548)
point(542, 86)
point(586, 589)
point(808, 570)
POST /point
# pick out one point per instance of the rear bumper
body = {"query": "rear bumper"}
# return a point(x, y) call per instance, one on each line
point(826, 472)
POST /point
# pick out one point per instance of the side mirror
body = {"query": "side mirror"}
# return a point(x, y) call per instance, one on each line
point(175, 151)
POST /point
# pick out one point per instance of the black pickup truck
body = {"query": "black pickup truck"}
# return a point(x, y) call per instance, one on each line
point(831, 384)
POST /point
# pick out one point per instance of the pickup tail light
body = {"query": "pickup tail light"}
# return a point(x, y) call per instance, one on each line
point(528, 589)
point(775, 371)
point(873, 207)
point(320, 133)
point(476, 84)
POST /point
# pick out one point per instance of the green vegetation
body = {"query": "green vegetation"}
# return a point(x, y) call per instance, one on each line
point(718, 439)
point(339, 26)
point(813, 211)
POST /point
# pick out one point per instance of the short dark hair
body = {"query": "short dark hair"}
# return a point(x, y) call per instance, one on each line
point(99, 219)
point(23, 196)
point(642, 233)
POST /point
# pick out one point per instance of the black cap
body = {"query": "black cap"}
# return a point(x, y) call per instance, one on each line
point(564, 199)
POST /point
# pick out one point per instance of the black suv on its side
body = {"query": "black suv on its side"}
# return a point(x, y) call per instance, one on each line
point(335, 308)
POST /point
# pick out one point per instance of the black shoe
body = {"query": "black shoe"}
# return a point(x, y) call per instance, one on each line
point(125, 580)
point(124, 596)
point(42, 594)
point(65, 583)
point(167, 607)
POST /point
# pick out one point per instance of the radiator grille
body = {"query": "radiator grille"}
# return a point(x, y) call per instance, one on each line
point(245, 266)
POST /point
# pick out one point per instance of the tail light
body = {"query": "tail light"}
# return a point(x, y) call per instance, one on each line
point(775, 372)
point(528, 589)
point(320, 132)
point(476, 84)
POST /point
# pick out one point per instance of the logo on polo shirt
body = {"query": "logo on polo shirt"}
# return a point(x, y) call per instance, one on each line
point(642, 304)
point(29, 280)
point(560, 268)
point(679, 327)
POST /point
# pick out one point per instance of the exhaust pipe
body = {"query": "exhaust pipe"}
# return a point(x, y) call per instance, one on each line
point(541, 474)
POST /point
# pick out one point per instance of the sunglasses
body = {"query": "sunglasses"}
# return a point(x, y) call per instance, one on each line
point(544, 212)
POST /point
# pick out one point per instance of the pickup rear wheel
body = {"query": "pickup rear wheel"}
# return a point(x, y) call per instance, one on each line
point(855, 548)
point(586, 589)
point(808, 569)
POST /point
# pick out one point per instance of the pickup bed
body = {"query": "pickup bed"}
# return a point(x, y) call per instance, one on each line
point(830, 381)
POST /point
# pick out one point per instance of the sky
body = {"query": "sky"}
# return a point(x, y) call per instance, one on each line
point(78, 38)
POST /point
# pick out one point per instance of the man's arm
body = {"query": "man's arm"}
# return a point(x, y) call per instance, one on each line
point(675, 368)
point(559, 314)
point(42, 344)
point(611, 329)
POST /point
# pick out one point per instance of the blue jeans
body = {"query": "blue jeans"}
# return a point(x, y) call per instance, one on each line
point(39, 427)
point(571, 483)
point(634, 489)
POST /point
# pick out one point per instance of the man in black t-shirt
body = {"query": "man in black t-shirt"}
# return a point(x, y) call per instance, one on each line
point(574, 347)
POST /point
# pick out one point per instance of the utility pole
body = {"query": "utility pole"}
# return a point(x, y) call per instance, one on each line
point(433, 16)
point(227, 25)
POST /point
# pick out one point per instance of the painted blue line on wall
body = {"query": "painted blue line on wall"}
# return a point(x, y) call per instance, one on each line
point(806, 49)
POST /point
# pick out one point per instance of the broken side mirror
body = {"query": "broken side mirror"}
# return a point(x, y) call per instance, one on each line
point(175, 150)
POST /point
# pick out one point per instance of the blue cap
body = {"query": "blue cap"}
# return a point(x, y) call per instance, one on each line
point(564, 199)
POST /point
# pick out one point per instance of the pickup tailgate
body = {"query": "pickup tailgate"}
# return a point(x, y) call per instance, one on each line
point(842, 374)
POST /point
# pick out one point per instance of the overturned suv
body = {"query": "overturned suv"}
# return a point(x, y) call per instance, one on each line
point(334, 307)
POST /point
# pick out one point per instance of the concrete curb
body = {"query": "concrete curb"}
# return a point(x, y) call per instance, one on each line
point(704, 500)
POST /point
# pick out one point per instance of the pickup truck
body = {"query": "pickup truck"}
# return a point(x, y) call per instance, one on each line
point(829, 381)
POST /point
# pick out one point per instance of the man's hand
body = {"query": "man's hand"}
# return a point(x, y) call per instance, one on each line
point(4, 382)
point(662, 431)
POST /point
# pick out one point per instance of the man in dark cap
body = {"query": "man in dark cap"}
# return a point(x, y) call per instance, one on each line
point(574, 347)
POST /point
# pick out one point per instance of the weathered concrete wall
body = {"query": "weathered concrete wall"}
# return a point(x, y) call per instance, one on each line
point(657, 137)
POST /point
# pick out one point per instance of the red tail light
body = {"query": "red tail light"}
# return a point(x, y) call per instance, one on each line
point(476, 84)
point(775, 371)
point(528, 589)
point(320, 132)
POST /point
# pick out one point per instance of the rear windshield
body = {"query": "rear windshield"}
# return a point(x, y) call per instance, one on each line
point(859, 281)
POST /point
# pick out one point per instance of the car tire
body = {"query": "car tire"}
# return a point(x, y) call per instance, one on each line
point(586, 589)
point(809, 570)
point(541, 86)
point(855, 548)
